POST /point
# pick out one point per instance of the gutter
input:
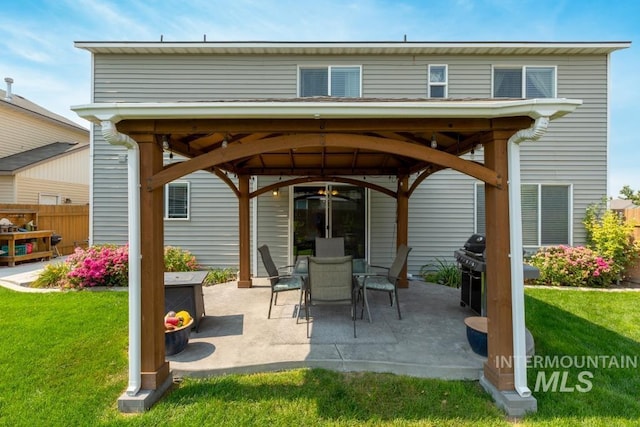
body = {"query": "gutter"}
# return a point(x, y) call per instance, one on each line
point(515, 230)
point(112, 136)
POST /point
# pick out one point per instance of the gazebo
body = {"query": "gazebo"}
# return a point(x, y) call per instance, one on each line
point(329, 140)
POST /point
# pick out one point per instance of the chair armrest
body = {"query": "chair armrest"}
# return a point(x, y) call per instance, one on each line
point(379, 266)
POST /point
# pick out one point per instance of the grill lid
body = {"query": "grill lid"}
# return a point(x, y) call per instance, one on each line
point(476, 243)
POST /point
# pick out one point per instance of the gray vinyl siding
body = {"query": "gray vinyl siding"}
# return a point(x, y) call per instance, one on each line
point(211, 232)
point(441, 211)
point(273, 226)
point(109, 204)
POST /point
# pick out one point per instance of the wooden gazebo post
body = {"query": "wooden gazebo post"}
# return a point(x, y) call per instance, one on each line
point(402, 236)
point(498, 276)
point(154, 367)
point(244, 218)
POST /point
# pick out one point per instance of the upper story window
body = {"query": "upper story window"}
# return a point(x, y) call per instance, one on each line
point(437, 81)
point(339, 81)
point(524, 82)
point(176, 200)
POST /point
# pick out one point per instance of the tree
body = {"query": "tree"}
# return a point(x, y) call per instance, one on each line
point(628, 194)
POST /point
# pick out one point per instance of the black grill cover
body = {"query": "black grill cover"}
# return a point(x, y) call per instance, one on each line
point(476, 243)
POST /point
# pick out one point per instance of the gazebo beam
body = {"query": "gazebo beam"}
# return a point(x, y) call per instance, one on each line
point(428, 125)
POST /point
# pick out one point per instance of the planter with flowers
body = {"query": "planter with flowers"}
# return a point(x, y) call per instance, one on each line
point(177, 327)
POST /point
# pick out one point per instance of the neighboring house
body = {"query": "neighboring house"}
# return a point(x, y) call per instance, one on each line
point(562, 173)
point(44, 157)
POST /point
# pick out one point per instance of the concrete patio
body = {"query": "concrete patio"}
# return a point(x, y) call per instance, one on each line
point(236, 336)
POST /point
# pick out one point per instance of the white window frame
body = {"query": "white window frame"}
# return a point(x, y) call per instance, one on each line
point(445, 83)
point(539, 213)
point(329, 72)
point(523, 83)
point(166, 200)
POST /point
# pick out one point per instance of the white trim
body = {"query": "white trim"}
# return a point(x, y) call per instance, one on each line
point(608, 130)
point(494, 108)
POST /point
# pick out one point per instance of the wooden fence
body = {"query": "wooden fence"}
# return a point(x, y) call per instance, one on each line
point(69, 221)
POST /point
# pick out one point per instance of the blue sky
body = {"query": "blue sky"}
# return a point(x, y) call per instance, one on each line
point(37, 37)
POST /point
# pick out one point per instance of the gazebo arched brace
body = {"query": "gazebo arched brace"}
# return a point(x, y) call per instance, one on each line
point(424, 175)
point(223, 176)
point(305, 179)
point(238, 151)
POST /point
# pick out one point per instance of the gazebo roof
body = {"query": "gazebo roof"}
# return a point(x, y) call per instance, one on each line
point(325, 136)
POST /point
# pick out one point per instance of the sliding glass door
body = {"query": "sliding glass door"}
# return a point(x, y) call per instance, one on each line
point(329, 211)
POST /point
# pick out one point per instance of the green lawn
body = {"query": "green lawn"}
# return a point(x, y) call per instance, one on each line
point(64, 362)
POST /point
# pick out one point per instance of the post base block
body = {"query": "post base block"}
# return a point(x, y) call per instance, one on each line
point(144, 399)
point(509, 400)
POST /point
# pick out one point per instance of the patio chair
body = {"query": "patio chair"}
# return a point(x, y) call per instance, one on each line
point(388, 282)
point(279, 282)
point(330, 282)
point(329, 247)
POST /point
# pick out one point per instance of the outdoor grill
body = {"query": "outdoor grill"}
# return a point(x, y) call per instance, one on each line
point(472, 267)
point(55, 239)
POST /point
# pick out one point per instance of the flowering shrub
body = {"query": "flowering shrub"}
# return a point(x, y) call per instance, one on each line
point(572, 266)
point(177, 259)
point(100, 265)
point(610, 235)
point(105, 265)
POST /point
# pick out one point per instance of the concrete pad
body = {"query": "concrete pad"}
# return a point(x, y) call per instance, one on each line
point(236, 336)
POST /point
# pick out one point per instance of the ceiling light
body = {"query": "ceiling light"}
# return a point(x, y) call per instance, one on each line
point(434, 143)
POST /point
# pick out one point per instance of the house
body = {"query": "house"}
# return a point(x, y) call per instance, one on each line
point(562, 173)
point(237, 144)
point(44, 157)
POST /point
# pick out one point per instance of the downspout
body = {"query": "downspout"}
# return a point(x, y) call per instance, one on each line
point(515, 230)
point(112, 136)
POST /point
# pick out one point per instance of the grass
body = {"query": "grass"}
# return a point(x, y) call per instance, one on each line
point(63, 362)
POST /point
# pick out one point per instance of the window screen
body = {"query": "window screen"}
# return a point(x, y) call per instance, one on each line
point(314, 81)
point(345, 81)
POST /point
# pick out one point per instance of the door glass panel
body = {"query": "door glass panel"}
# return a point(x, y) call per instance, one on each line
point(309, 218)
point(329, 211)
point(348, 218)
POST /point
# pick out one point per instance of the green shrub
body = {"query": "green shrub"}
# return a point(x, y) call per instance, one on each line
point(442, 272)
point(178, 259)
point(572, 266)
point(609, 235)
point(53, 276)
point(220, 275)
